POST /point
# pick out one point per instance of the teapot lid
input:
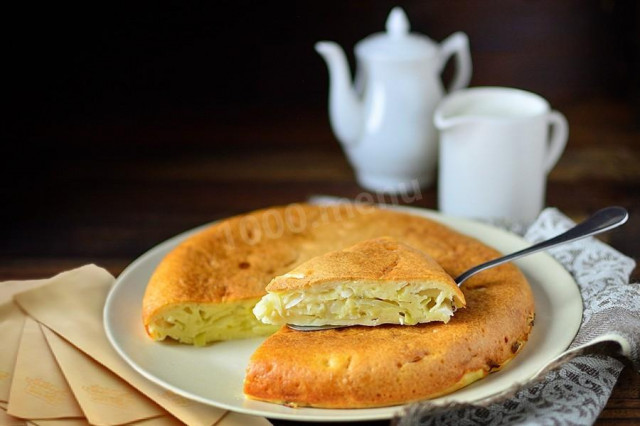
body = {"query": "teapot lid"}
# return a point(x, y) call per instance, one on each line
point(397, 42)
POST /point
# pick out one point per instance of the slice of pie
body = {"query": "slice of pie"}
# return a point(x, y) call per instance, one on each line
point(378, 281)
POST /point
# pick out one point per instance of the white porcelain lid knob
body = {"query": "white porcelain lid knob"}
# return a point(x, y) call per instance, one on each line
point(397, 23)
point(397, 43)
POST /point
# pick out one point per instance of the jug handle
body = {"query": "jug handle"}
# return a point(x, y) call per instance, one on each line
point(558, 139)
point(458, 44)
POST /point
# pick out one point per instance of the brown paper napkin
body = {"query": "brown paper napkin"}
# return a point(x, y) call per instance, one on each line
point(12, 320)
point(156, 421)
point(39, 389)
point(71, 305)
point(59, 422)
point(97, 381)
point(11, 324)
point(104, 398)
point(236, 419)
point(7, 420)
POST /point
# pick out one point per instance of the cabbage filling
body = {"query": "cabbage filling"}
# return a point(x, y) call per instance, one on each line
point(358, 303)
point(199, 324)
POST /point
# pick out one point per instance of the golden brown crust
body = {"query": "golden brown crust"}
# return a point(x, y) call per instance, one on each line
point(383, 260)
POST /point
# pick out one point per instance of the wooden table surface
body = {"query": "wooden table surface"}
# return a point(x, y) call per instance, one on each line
point(108, 206)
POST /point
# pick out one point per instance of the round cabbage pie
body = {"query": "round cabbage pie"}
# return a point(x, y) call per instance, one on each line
point(206, 288)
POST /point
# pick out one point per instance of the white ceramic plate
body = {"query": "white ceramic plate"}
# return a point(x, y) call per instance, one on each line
point(214, 374)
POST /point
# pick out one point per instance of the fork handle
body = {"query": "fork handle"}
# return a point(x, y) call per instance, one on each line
point(601, 221)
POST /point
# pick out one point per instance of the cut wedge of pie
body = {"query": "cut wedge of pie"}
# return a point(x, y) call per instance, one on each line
point(377, 281)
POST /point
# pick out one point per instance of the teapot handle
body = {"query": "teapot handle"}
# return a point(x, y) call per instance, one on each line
point(458, 44)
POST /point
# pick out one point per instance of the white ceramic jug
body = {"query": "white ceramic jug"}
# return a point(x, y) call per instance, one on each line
point(496, 150)
point(386, 127)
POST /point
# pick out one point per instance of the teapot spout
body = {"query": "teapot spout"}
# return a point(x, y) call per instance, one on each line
point(345, 109)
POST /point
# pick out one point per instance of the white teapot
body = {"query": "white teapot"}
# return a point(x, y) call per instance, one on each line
point(386, 125)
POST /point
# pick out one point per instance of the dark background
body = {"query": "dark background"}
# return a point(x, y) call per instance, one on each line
point(128, 123)
point(96, 77)
point(95, 92)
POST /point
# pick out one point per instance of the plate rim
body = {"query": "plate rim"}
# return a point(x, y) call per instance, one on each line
point(376, 413)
